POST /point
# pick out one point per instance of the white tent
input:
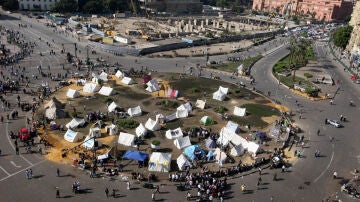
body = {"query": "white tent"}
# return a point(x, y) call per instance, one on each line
point(225, 136)
point(111, 129)
point(89, 142)
point(233, 127)
point(237, 150)
point(119, 74)
point(224, 90)
point(72, 136)
point(126, 139)
point(183, 162)
point(95, 132)
point(183, 110)
point(160, 118)
point(71, 93)
point(182, 142)
point(54, 113)
point(200, 104)
point(107, 91)
point(127, 80)
point(239, 111)
point(218, 95)
point(140, 130)
point(220, 156)
point(91, 87)
point(186, 106)
point(152, 86)
point(53, 103)
point(103, 76)
point(160, 162)
point(253, 147)
point(173, 134)
point(152, 125)
point(75, 122)
point(135, 111)
point(112, 107)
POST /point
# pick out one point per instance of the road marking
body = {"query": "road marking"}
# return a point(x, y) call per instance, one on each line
point(13, 163)
point(327, 167)
point(10, 175)
point(5, 171)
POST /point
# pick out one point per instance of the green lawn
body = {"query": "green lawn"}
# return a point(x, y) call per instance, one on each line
point(288, 81)
point(232, 66)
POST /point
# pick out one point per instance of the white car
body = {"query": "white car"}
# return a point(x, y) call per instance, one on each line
point(334, 123)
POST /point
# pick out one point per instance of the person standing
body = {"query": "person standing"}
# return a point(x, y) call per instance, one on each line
point(128, 185)
point(27, 173)
point(30, 173)
point(153, 196)
point(57, 192)
point(113, 193)
point(58, 172)
point(17, 150)
point(107, 192)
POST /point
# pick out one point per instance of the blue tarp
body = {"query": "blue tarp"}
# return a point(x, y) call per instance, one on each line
point(194, 152)
point(261, 135)
point(135, 155)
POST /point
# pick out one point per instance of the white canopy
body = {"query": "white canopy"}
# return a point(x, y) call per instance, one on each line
point(173, 134)
point(152, 86)
point(72, 136)
point(239, 111)
point(220, 156)
point(95, 132)
point(111, 129)
point(112, 107)
point(182, 162)
point(186, 106)
point(126, 139)
point(89, 142)
point(140, 130)
point(233, 127)
point(119, 74)
point(127, 80)
point(75, 122)
point(103, 76)
point(71, 93)
point(183, 110)
point(152, 125)
point(200, 104)
point(182, 142)
point(160, 162)
point(218, 95)
point(224, 90)
point(91, 87)
point(135, 111)
point(107, 91)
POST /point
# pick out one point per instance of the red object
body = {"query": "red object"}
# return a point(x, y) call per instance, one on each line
point(146, 78)
point(24, 134)
point(247, 139)
point(353, 77)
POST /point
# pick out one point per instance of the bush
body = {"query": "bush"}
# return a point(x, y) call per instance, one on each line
point(312, 92)
point(155, 142)
point(169, 104)
point(108, 100)
point(100, 82)
point(221, 109)
point(308, 75)
point(237, 90)
point(127, 123)
point(73, 114)
point(195, 90)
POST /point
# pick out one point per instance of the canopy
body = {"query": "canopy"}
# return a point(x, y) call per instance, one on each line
point(182, 142)
point(111, 129)
point(239, 111)
point(91, 87)
point(135, 111)
point(223, 90)
point(140, 130)
point(95, 132)
point(127, 80)
point(160, 162)
point(89, 142)
point(112, 107)
point(194, 152)
point(152, 125)
point(186, 106)
point(72, 136)
point(107, 91)
point(200, 104)
point(181, 113)
point(103, 156)
point(126, 139)
point(173, 134)
point(135, 155)
point(218, 95)
point(71, 93)
point(103, 76)
point(233, 127)
point(210, 144)
point(119, 74)
point(206, 120)
point(75, 122)
point(183, 162)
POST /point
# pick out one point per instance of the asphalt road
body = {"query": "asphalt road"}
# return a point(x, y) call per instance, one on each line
point(309, 179)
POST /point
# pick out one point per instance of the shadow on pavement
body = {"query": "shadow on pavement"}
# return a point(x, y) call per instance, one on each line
point(37, 176)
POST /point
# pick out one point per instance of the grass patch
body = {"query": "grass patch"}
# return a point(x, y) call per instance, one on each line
point(308, 75)
point(174, 124)
point(146, 103)
point(127, 123)
point(221, 109)
point(288, 81)
point(232, 66)
point(169, 104)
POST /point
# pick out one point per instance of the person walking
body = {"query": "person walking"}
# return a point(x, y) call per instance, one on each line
point(153, 196)
point(17, 150)
point(57, 192)
point(157, 189)
point(128, 185)
point(107, 192)
point(113, 193)
point(275, 177)
point(30, 173)
point(27, 174)
point(318, 132)
point(283, 167)
point(58, 172)
point(335, 175)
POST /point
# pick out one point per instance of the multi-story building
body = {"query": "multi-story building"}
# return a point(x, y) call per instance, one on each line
point(328, 10)
point(36, 4)
point(172, 6)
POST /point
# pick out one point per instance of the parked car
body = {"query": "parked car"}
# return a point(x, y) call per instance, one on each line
point(334, 123)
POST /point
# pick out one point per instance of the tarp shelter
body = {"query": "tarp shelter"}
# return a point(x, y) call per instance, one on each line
point(206, 120)
point(91, 87)
point(54, 113)
point(152, 125)
point(220, 156)
point(112, 107)
point(95, 132)
point(53, 103)
point(182, 142)
point(152, 86)
point(183, 162)
point(135, 111)
point(89, 142)
point(135, 155)
point(200, 104)
point(127, 80)
point(237, 150)
point(107, 91)
point(146, 78)
point(224, 90)
point(126, 139)
point(172, 93)
point(119, 74)
point(71, 93)
point(173, 134)
point(75, 122)
point(72, 136)
point(194, 152)
point(210, 144)
point(218, 95)
point(160, 162)
point(140, 130)
point(239, 111)
point(232, 126)
point(111, 129)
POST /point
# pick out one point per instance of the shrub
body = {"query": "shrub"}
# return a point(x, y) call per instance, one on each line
point(155, 142)
point(73, 114)
point(308, 75)
point(237, 91)
point(195, 90)
point(221, 109)
point(169, 104)
point(312, 92)
point(108, 100)
point(127, 123)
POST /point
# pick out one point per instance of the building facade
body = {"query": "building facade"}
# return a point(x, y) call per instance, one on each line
point(36, 4)
point(328, 10)
point(172, 6)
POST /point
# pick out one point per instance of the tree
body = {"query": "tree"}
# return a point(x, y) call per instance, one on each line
point(10, 5)
point(342, 36)
point(93, 7)
point(221, 3)
point(65, 6)
point(111, 5)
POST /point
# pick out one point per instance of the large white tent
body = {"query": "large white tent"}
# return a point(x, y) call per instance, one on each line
point(160, 162)
point(227, 136)
point(126, 139)
point(112, 107)
point(95, 132)
point(103, 76)
point(152, 125)
point(107, 91)
point(72, 136)
point(152, 86)
point(75, 122)
point(218, 95)
point(119, 74)
point(127, 80)
point(239, 111)
point(233, 127)
point(183, 162)
point(111, 129)
point(135, 111)
point(91, 87)
point(173, 134)
point(182, 142)
point(224, 90)
point(71, 93)
point(54, 113)
point(200, 104)
point(140, 130)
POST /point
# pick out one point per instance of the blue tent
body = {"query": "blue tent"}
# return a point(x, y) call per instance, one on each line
point(194, 152)
point(135, 155)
